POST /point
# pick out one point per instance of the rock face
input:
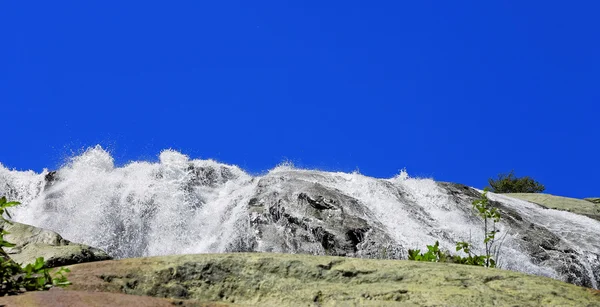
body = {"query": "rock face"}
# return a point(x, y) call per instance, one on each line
point(32, 242)
point(301, 280)
point(548, 248)
point(311, 218)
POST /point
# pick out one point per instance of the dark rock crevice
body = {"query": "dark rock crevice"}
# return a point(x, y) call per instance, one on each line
point(319, 203)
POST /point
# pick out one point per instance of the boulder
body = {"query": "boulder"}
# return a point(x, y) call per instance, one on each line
point(268, 279)
point(32, 242)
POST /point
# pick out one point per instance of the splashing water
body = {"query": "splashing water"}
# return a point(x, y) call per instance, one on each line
point(137, 210)
point(180, 206)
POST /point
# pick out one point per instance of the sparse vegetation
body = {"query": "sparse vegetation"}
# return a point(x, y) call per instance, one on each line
point(509, 183)
point(489, 215)
point(15, 279)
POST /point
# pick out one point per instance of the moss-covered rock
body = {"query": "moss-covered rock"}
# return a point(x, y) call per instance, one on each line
point(293, 280)
point(574, 205)
point(595, 200)
point(58, 298)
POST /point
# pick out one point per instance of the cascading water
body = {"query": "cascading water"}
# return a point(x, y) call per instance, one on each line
point(141, 209)
point(180, 206)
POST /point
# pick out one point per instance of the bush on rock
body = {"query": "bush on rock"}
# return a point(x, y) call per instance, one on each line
point(509, 183)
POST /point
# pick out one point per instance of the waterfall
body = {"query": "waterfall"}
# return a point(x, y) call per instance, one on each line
point(180, 205)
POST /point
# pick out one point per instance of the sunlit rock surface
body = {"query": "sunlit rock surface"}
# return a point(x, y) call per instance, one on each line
point(266, 279)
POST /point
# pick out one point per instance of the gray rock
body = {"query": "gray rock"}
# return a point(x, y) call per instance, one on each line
point(32, 242)
point(314, 219)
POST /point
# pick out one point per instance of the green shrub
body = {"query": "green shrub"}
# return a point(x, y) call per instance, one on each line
point(489, 215)
point(509, 183)
point(434, 254)
point(14, 278)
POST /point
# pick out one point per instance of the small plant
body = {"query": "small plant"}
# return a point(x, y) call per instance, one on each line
point(509, 183)
point(489, 215)
point(14, 278)
point(471, 259)
point(434, 254)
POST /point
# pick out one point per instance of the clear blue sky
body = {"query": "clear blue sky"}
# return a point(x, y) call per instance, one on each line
point(456, 91)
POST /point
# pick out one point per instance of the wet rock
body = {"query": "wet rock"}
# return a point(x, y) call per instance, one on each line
point(209, 175)
point(312, 218)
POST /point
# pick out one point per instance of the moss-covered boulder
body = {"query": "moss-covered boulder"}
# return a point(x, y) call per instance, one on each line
point(32, 242)
point(301, 280)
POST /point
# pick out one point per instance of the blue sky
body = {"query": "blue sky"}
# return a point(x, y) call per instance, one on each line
point(455, 91)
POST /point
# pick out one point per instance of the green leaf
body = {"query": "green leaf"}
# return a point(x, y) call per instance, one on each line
point(41, 281)
point(413, 254)
point(6, 244)
point(39, 263)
